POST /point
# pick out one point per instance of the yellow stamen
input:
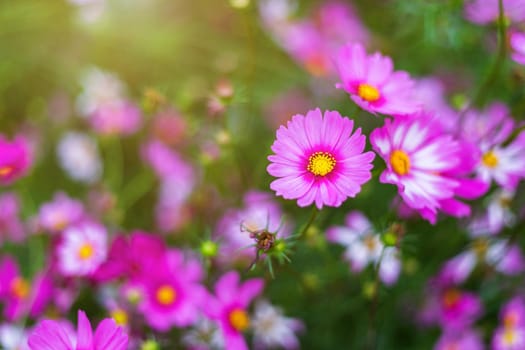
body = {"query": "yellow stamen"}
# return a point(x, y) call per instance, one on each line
point(239, 319)
point(451, 297)
point(400, 162)
point(86, 251)
point(370, 243)
point(120, 316)
point(321, 163)
point(20, 288)
point(166, 295)
point(6, 170)
point(368, 92)
point(490, 160)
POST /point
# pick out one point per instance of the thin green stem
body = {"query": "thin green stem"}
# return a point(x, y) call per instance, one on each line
point(313, 215)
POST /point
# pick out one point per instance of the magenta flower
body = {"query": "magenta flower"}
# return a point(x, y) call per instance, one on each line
point(15, 159)
point(372, 83)
point(460, 340)
point(229, 307)
point(132, 257)
point(511, 334)
point(173, 294)
point(418, 157)
point(318, 159)
point(20, 296)
point(52, 335)
point(82, 250)
point(486, 11)
point(60, 213)
point(517, 43)
point(10, 225)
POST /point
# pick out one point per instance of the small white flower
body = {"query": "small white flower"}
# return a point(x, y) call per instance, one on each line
point(98, 88)
point(78, 156)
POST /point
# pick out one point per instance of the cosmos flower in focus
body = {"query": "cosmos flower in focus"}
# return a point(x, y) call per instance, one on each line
point(78, 156)
point(82, 250)
point(318, 159)
point(229, 307)
point(52, 335)
point(15, 159)
point(418, 157)
point(373, 84)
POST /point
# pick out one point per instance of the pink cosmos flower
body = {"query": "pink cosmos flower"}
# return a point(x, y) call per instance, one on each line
point(172, 292)
point(517, 43)
point(260, 211)
point(15, 159)
point(372, 83)
point(459, 340)
point(82, 250)
point(229, 307)
point(116, 118)
point(60, 213)
point(52, 335)
point(486, 11)
point(10, 225)
point(418, 157)
point(318, 159)
point(20, 296)
point(363, 246)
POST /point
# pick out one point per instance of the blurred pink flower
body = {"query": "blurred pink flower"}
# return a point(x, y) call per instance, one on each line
point(116, 118)
point(131, 257)
point(229, 307)
point(15, 159)
point(173, 294)
point(459, 340)
point(372, 83)
point(318, 159)
point(511, 334)
point(82, 250)
point(486, 11)
point(11, 227)
point(517, 43)
point(20, 296)
point(60, 213)
point(53, 335)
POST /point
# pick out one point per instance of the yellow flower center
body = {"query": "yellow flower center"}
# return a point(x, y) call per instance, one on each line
point(509, 337)
point(451, 297)
point(19, 288)
point(370, 243)
point(368, 92)
point(86, 251)
point(120, 316)
point(321, 163)
point(166, 295)
point(400, 162)
point(239, 319)
point(6, 170)
point(490, 160)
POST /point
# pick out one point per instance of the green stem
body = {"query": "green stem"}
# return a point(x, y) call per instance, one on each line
point(500, 58)
point(313, 215)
